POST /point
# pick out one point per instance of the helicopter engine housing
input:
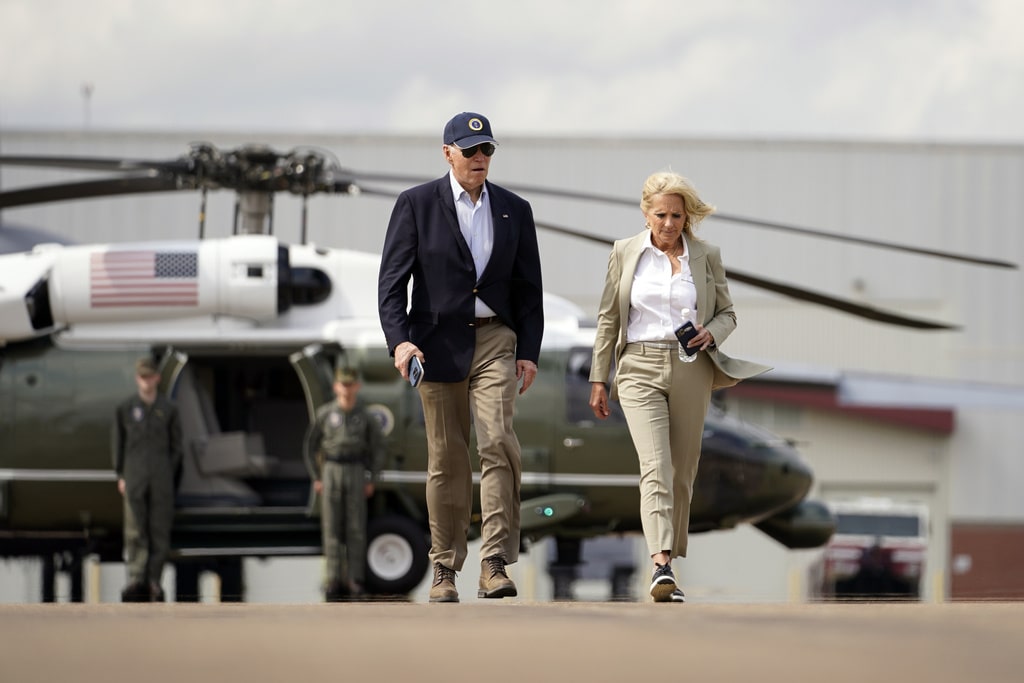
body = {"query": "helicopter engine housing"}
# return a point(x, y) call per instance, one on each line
point(245, 276)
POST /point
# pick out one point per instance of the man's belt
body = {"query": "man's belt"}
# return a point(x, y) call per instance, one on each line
point(346, 459)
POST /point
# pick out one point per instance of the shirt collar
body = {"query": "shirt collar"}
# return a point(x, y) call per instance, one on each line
point(459, 190)
point(649, 244)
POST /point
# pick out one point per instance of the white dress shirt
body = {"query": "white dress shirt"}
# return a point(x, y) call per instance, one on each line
point(659, 302)
point(477, 226)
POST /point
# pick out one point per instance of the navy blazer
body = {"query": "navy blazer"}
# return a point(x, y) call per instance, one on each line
point(424, 242)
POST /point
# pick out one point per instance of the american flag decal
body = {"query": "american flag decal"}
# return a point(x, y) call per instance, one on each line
point(143, 278)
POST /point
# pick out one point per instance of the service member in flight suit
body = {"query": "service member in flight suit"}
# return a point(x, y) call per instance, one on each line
point(147, 449)
point(345, 448)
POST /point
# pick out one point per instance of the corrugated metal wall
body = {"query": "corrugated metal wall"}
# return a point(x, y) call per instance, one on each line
point(960, 198)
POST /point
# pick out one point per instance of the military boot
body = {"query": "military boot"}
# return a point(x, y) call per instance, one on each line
point(443, 589)
point(136, 591)
point(336, 591)
point(494, 581)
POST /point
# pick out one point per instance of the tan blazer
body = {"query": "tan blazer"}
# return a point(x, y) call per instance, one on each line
point(714, 308)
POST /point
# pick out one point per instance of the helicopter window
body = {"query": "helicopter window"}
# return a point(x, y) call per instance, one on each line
point(37, 301)
point(577, 391)
point(309, 286)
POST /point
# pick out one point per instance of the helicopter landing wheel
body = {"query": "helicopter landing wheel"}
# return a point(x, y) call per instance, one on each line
point(396, 555)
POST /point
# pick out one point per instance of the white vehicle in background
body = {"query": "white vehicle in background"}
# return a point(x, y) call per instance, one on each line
point(877, 552)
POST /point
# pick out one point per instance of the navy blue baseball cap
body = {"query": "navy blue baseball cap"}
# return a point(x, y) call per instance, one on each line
point(468, 129)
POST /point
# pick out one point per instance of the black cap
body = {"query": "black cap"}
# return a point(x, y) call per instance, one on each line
point(468, 129)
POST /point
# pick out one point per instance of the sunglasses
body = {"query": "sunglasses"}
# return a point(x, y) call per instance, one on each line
point(486, 147)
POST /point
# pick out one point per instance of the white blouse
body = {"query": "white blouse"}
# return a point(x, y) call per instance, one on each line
point(659, 302)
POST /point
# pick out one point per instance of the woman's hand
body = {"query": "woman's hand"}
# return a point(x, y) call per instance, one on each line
point(703, 340)
point(599, 400)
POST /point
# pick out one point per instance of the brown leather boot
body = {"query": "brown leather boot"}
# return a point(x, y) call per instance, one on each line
point(494, 581)
point(443, 589)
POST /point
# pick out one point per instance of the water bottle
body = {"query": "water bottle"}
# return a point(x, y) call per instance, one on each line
point(687, 315)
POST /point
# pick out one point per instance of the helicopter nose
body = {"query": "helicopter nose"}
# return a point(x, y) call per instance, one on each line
point(793, 476)
point(754, 482)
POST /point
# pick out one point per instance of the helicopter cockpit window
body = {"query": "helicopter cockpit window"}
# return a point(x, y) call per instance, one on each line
point(577, 390)
point(309, 286)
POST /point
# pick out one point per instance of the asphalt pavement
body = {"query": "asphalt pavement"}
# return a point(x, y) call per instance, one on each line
point(510, 640)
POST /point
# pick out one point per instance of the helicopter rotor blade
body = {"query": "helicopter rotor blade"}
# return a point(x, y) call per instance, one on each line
point(808, 232)
point(90, 189)
point(387, 177)
point(732, 218)
point(793, 292)
point(844, 305)
point(206, 160)
point(96, 163)
point(357, 189)
point(976, 260)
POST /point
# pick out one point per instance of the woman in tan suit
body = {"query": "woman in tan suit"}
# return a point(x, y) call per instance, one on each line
point(657, 280)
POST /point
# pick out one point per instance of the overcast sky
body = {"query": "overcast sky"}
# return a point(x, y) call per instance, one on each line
point(948, 70)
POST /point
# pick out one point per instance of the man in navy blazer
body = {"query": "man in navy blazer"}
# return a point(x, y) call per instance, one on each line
point(475, 321)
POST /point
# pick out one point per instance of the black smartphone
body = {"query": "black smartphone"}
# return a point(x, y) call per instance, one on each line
point(684, 333)
point(415, 371)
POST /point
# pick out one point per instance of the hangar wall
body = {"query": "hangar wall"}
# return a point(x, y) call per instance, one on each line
point(955, 197)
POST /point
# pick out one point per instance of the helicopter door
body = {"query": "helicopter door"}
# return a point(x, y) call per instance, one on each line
point(315, 373)
point(169, 368)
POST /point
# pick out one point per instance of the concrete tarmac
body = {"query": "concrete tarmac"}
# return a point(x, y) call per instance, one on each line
point(513, 641)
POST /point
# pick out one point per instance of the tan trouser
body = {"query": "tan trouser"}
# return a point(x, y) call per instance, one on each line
point(665, 401)
point(489, 395)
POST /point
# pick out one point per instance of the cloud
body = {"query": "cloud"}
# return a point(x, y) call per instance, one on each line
point(921, 69)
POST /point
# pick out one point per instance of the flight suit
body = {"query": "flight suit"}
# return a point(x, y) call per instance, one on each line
point(345, 451)
point(147, 447)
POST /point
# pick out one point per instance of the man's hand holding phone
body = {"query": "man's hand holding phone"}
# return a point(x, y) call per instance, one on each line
point(405, 355)
point(415, 372)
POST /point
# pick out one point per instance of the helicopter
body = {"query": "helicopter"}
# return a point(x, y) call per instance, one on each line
point(247, 330)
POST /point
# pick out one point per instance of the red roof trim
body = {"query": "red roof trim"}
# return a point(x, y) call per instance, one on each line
point(824, 398)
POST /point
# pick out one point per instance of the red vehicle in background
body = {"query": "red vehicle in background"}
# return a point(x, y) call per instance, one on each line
point(877, 552)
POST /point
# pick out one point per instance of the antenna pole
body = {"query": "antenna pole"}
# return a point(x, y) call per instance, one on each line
point(87, 89)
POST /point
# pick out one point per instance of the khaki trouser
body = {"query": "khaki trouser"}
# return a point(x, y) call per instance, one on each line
point(489, 394)
point(665, 401)
point(343, 521)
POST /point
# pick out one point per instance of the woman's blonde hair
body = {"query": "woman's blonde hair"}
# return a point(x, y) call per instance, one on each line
point(667, 182)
